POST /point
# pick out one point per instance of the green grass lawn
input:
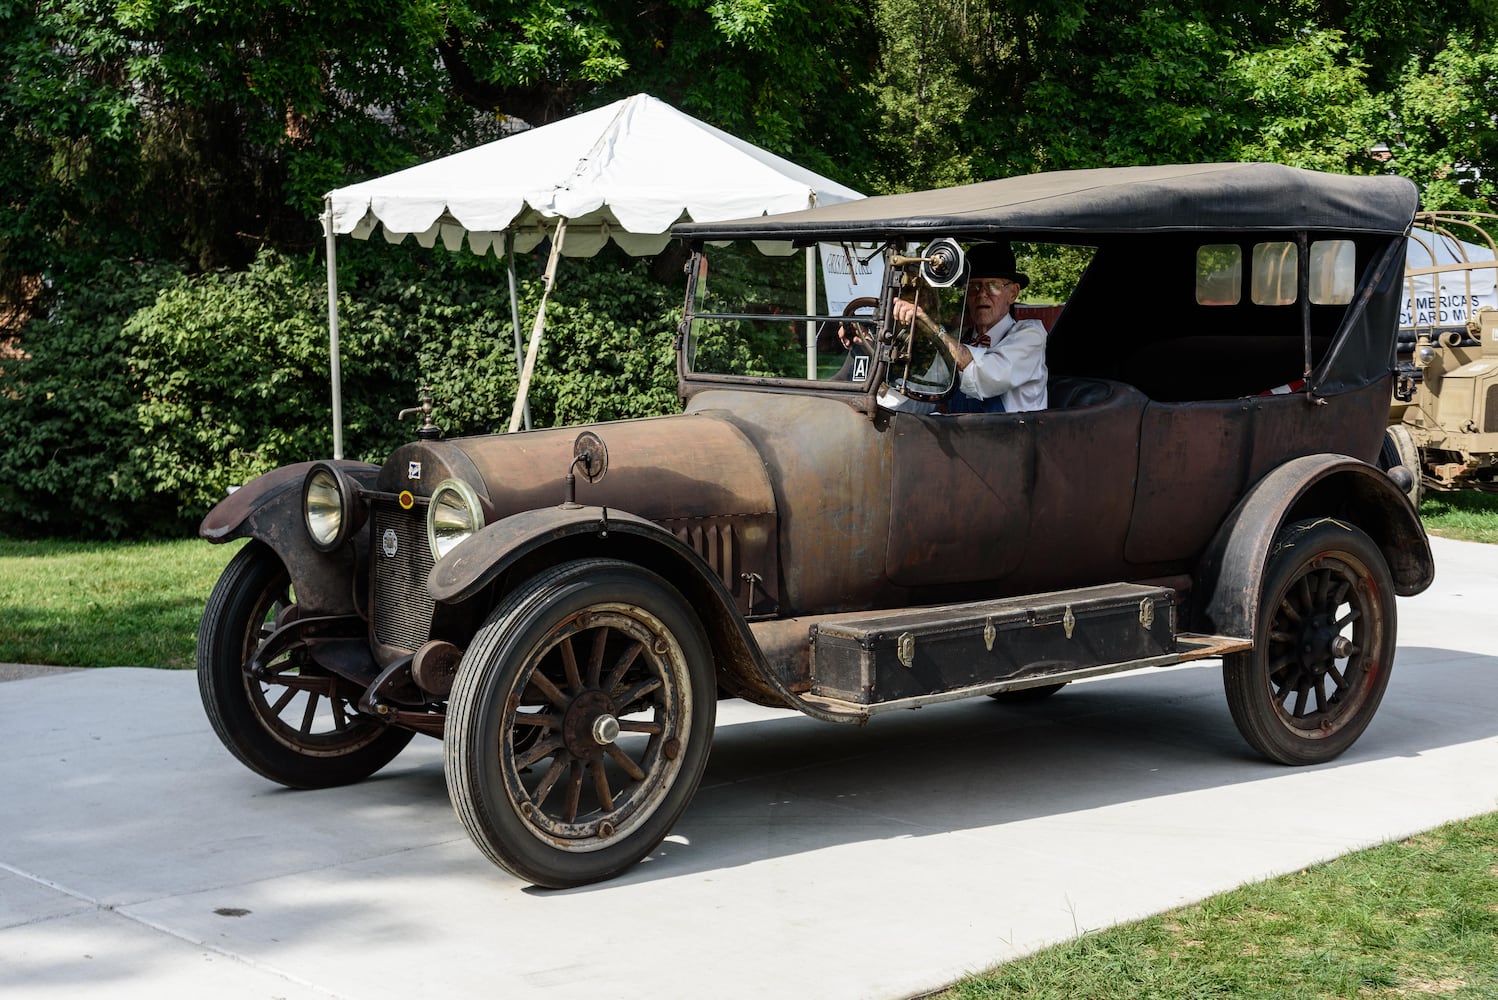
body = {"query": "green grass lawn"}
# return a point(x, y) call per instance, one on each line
point(1469, 516)
point(103, 604)
point(1417, 918)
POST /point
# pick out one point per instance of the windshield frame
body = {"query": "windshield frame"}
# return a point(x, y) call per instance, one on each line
point(900, 350)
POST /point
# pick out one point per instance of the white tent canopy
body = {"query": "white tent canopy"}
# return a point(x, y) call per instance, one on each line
point(625, 172)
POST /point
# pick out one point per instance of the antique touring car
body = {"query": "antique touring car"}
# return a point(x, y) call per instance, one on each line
point(565, 607)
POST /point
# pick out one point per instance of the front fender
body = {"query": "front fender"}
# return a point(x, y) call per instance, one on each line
point(554, 534)
point(269, 508)
point(495, 548)
point(1229, 577)
point(257, 508)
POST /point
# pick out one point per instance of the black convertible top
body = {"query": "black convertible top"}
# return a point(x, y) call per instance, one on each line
point(1182, 197)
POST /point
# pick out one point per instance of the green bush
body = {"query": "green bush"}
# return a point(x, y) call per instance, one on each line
point(148, 394)
point(607, 352)
point(68, 412)
point(232, 371)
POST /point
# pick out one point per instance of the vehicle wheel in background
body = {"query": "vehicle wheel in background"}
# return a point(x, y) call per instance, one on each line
point(1399, 449)
point(1027, 695)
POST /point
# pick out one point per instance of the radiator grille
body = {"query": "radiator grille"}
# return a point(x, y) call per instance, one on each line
point(402, 610)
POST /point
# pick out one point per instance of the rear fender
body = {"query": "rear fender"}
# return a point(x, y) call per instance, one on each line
point(529, 541)
point(269, 508)
point(1229, 576)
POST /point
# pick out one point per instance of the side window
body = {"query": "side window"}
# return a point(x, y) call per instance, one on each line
point(1219, 274)
point(1274, 273)
point(1332, 275)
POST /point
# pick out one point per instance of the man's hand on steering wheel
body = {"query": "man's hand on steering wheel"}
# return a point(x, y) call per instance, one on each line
point(857, 335)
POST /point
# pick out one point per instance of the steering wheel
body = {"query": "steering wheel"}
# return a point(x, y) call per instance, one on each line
point(860, 339)
point(905, 335)
point(829, 342)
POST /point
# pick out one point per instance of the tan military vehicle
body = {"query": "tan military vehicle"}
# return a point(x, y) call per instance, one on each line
point(1443, 422)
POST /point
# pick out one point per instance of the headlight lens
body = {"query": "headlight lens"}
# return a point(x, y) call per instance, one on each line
point(453, 514)
point(328, 511)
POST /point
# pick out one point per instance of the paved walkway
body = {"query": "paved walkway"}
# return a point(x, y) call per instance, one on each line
point(137, 859)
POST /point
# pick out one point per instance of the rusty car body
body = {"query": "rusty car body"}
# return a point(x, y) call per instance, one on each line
point(564, 607)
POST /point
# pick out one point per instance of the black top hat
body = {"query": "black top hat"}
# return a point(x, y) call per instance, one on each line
point(994, 260)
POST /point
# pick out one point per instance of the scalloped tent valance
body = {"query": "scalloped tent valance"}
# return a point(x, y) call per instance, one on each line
point(627, 172)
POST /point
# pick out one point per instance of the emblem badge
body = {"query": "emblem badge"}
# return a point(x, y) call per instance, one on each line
point(389, 544)
point(413, 470)
point(861, 368)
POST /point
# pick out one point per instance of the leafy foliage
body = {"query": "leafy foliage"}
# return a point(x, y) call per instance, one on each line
point(66, 409)
point(141, 410)
point(203, 134)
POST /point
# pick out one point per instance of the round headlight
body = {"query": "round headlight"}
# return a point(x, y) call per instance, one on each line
point(328, 506)
point(453, 514)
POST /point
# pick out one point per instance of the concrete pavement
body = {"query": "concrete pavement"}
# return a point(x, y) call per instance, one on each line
point(138, 859)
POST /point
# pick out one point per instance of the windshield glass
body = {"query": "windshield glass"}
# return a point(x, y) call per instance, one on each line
point(781, 316)
point(824, 317)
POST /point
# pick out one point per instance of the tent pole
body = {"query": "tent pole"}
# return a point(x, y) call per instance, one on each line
point(811, 310)
point(539, 325)
point(515, 315)
point(333, 364)
point(811, 300)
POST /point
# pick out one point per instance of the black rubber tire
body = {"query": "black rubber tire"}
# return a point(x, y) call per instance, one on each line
point(1026, 696)
point(584, 816)
point(275, 728)
point(1327, 591)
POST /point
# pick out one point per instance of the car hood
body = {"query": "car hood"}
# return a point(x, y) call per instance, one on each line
point(673, 470)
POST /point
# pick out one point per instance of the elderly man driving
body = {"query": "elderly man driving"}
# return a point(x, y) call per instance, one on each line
point(1000, 360)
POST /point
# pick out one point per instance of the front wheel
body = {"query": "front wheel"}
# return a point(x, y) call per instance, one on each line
point(299, 727)
point(579, 723)
point(1323, 647)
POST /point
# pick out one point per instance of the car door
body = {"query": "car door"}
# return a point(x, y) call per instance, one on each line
point(1012, 501)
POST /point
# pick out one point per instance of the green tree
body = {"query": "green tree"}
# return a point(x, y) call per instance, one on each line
point(205, 130)
point(1441, 128)
point(971, 91)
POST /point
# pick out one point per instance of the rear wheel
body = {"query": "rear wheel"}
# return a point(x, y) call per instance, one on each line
point(1323, 647)
point(580, 722)
point(299, 726)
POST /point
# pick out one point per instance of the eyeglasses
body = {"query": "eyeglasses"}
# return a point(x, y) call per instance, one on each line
point(990, 286)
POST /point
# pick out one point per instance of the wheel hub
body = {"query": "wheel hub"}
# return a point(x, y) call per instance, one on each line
point(590, 724)
point(1321, 643)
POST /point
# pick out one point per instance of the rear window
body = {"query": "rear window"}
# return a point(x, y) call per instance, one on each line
point(1274, 273)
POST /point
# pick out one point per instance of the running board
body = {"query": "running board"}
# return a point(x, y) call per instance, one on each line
point(869, 665)
point(1192, 647)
